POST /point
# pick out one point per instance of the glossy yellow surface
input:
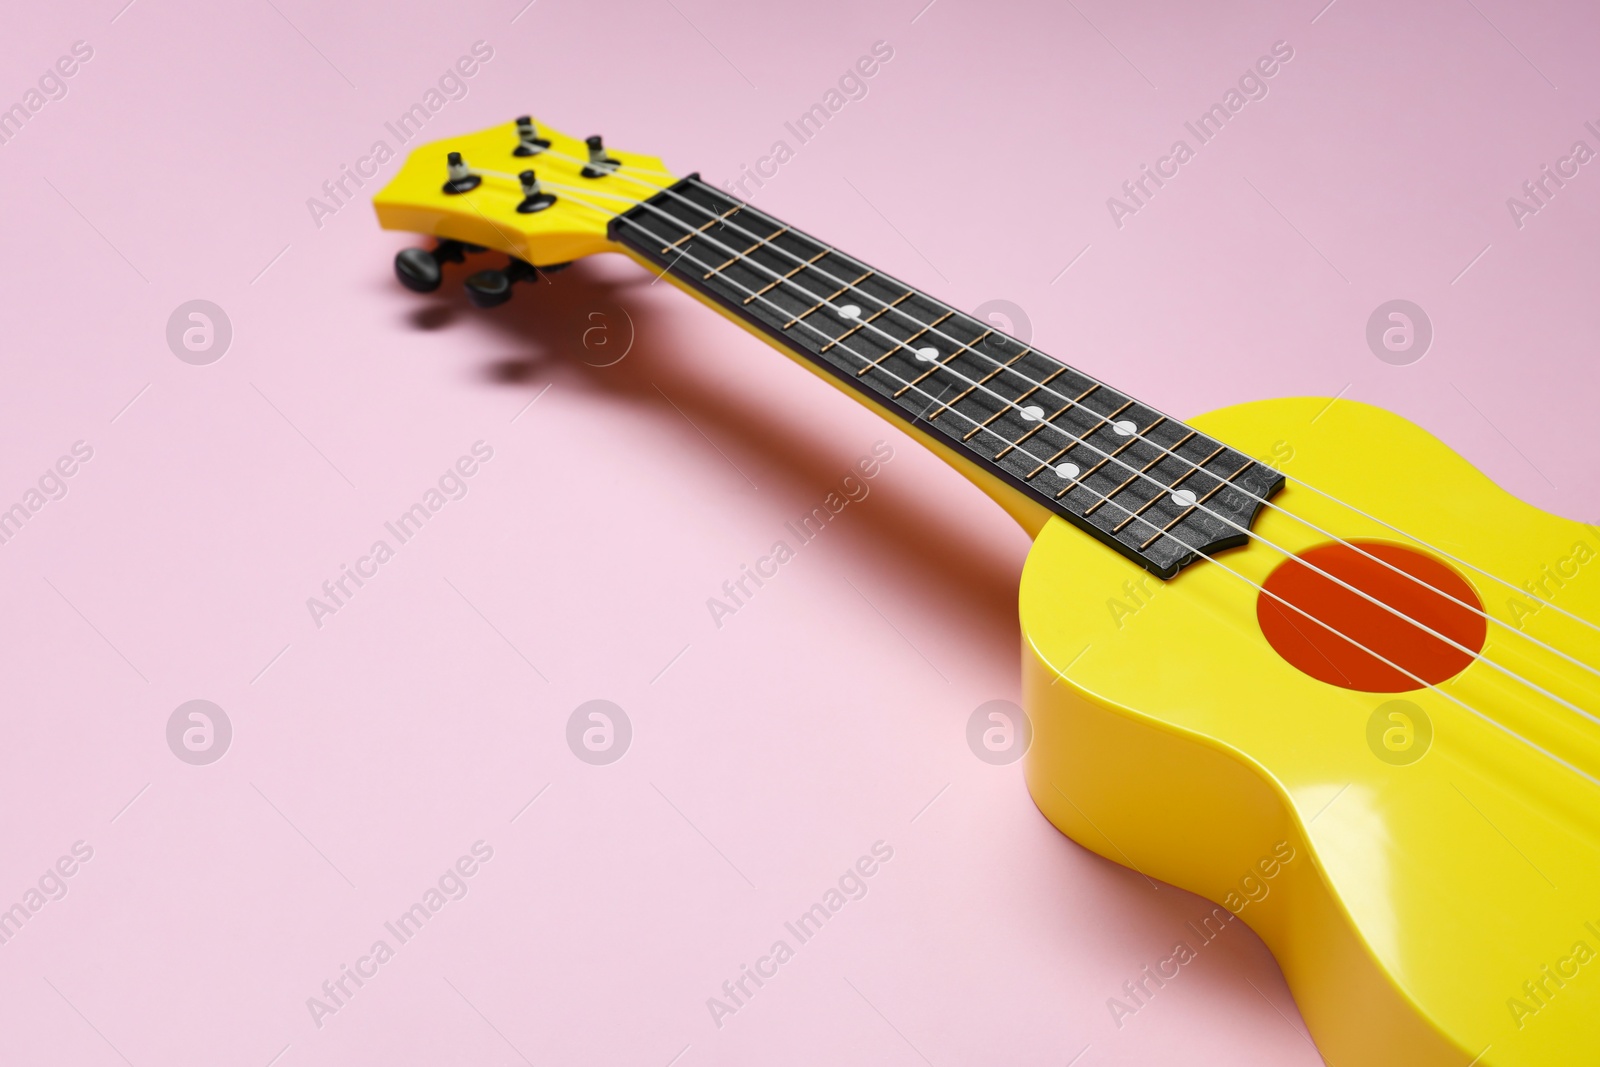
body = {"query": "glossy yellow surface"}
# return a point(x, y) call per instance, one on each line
point(1170, 737)
point(1435, 910)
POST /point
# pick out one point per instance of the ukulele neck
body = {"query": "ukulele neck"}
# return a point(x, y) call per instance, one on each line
point(1159, 492)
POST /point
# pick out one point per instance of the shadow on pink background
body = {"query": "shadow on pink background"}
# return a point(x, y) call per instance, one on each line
point(371, 753)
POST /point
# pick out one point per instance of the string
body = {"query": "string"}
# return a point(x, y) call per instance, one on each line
point(1112, 457)
point(1076, 442)
point(1105, 498)
point(1519, 590)
point(1108, 457)
point(1419, 541)
point(1072, 402)
point(1261, 500)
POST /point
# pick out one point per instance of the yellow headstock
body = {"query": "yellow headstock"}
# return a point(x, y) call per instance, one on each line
point(566, 220)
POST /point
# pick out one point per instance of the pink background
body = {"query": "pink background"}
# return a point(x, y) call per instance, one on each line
point(769, 754)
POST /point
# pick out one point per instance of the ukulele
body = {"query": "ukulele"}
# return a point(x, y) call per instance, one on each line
point(1295, 656)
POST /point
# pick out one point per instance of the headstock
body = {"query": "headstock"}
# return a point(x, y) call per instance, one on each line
point(472, 192)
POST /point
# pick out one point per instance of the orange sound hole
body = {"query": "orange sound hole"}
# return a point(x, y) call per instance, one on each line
point(1315, 644)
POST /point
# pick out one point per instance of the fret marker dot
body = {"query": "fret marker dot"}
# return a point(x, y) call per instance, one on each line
point(849, 311)
point(1032, 413)
point(1066, 471)
point(1183, 498)
point(927, 355)
point(1125, 428)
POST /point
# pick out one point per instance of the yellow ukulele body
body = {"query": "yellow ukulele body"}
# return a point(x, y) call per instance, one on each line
point(1444, 911)
point(1423, 860)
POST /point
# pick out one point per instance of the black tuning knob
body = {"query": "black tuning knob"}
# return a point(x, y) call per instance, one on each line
point(460, 177)
point(529, 143)
point(599, 164)
point(421, 269)
point(534, 199)
point(491, 288)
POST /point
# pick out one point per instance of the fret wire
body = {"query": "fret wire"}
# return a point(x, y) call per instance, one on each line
point(968, 390)
point(696, 232)
point(953, 355)
point(1192, 550)
point(913, 384)
point(1000, 368)
point(1025, 394)
point(714, 195)
point(933, 370)
point(881, 311)
point(946, 361)
point(968, 346)
point(827, 299)
point(953, 401)
point(849, 285)
point(1109, 456)
point(743, 255)
point(1248, 463)
point(1046, 380)
point(779, 281)
point(1199, 467)
point(1176, 482)
point(1074, 442)
point(887, 305)
point(984, 425)
point(1106, 420)
point(1011, 365)
point(1137, 474)
point(797, 280)
point(878, 361)
point(901, 344)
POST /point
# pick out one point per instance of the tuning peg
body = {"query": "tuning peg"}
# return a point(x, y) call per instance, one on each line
point(421, 269)
point(600, 164)
point(461, 177)
point(491, 288)
point(529, 141)
point(533, 199)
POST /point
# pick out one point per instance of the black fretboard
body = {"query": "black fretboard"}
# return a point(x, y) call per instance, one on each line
point(1149, 486)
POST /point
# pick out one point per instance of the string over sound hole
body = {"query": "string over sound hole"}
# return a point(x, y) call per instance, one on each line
point(1416, 625)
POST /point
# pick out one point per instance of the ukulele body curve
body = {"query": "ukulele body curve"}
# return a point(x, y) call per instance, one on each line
point(1426, 907)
